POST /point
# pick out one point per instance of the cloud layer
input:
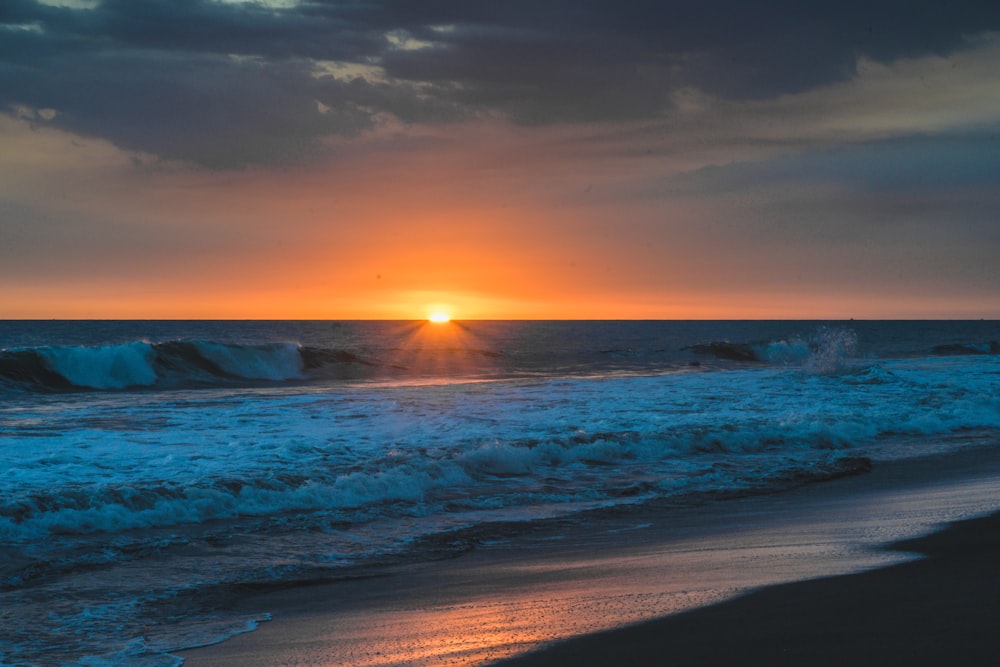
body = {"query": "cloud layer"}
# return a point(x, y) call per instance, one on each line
point(236, 83)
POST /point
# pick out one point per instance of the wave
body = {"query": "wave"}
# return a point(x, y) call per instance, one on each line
point(829, 350)
point(385, 453)
point(597, 467)
point(171, 364)
point(726, 351)
point(964, 349)
point(826, 351)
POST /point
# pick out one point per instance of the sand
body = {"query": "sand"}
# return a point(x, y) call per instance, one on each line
point(942, 610)
point(695, 585)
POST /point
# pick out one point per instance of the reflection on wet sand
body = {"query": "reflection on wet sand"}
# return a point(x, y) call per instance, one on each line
point(498, 626)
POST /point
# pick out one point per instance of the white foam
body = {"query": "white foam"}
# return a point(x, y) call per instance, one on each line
point(828, 351)
point(134, 654)
point(364, 451)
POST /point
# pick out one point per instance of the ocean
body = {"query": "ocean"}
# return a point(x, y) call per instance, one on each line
point(154, 469)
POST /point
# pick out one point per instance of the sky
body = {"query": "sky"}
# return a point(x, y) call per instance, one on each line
point(583, 159)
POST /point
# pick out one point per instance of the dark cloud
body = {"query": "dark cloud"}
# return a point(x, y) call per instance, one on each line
point(233, 83)
point(910, 201)
point(907, 166)
point(731, 48)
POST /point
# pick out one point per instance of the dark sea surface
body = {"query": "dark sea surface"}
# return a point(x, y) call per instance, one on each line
point(151, 466)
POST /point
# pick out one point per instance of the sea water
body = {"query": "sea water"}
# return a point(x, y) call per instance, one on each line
point(150, 469)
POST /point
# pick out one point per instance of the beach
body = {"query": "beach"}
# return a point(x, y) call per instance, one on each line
point(706, 584)
point(935, 611)
point(939, 610)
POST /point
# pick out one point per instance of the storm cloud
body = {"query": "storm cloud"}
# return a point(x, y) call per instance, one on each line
point(236, 83)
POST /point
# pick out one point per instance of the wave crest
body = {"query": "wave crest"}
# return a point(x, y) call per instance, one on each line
point(827, 351)
point(170, 364)
point(104, 366)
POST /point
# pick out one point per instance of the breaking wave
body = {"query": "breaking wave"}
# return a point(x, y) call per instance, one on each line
point(826, 351)
point(171, 364)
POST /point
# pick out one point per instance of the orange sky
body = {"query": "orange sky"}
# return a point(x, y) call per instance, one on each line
point(829, 202)
point(514, 230)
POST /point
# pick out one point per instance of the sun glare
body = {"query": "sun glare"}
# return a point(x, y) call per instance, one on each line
point(439, 318)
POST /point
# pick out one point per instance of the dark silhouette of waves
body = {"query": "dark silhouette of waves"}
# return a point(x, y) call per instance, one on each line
point(180, 364)
point(167, 365)
point(828, 348)
point(965, 349)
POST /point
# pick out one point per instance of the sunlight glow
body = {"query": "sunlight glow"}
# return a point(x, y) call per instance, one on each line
point(439, 318)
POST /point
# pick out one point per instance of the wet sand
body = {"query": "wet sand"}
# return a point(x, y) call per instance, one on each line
point(520, 597)
point(941, 610)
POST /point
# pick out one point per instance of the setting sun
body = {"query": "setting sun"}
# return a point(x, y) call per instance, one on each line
point(439, 318)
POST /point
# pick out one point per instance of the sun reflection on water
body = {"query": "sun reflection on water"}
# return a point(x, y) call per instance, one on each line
point(442, 350)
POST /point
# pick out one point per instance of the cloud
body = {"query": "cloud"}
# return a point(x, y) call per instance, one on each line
point(227, 84)
point(904, 166)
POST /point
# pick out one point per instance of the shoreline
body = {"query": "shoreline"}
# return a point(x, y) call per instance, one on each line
point(555, 594)
point(938, 610)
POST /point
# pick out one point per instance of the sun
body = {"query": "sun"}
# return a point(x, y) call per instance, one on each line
point(439, 318)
